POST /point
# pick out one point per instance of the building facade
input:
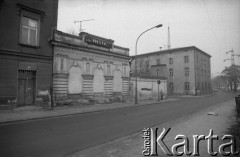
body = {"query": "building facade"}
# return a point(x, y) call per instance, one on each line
point(25, 50)
point(151, 79)
point(148, 87)
point(188, 69)
point(89, 67)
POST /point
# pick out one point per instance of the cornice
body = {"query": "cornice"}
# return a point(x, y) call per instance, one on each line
point(125, 78)
point(90, 50)
point(87, 77)
point(22, 54)
point(108, 77)
point(60, 75)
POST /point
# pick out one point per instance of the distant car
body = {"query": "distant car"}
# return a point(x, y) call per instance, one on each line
point(215, 90)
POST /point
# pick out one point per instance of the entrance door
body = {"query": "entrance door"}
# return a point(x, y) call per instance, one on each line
point(21, 91)
point(26, 87)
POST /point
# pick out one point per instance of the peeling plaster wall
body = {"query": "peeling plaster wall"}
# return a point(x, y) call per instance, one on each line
point(75, 80)
point(91, 80)
point(98, 81)
point(148, 88)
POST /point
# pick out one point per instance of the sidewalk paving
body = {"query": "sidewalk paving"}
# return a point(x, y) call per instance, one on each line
point(198, 123)
point(36, 112)
point(194, 96)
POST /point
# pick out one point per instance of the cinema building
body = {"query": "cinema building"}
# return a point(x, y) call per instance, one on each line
point(89, 67)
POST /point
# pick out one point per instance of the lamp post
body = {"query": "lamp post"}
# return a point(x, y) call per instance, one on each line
point(136, 98)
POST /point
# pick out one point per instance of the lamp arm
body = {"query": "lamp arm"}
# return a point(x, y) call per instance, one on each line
point(142, 34)
point(136, 60)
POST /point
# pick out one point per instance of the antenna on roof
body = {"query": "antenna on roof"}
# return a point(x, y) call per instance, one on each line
point(80, 29)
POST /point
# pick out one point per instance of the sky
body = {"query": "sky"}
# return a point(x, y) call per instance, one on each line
point(211, 25)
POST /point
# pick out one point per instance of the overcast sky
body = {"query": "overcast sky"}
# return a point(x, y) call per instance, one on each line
point(211, 25)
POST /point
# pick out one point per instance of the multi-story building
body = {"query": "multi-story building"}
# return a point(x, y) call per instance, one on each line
point(151, 78)
point(89, 67)
point(188, 69)
point(25, 50)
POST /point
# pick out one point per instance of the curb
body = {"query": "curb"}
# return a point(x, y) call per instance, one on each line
point(81, 112)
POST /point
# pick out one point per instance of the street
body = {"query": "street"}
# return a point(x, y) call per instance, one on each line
point(65, 135)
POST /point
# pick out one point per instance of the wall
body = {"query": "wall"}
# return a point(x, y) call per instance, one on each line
point(93, 79)
point(178, 67)
point(10, 25)
point(148, 88)
point(13, 54)
point(178, 79)
point(203, 73)
point(8, 80)
point(9, 77)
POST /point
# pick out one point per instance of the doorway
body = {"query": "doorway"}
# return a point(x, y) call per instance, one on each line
point(26, 87)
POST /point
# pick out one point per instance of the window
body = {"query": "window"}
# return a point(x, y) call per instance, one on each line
point(186, 60)
point(157, 73)
point(147, 66)
point(171, 86)
point(186, 86)
point(186, 71)
point(141, 64)
point(88, 68)
point(124, 70)
point(29, 31)
point(108, 69)
point(198, 85)
point(170, 60)
point(170, 72)
point(158, 61)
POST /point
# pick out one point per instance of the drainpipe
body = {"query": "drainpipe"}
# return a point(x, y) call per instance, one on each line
point(51, 88)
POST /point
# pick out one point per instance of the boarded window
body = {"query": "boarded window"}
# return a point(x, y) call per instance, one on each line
point(75, 81)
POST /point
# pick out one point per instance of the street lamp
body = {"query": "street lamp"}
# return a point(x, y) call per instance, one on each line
point(136, 99)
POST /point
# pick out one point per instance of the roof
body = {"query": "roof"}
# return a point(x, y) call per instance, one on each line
point(73, 41)
point(173, 51)
point(85, 33)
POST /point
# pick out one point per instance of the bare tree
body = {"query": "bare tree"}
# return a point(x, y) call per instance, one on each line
point(232, 74)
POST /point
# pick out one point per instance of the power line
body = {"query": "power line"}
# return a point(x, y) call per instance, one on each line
point(210, 21)
point(223, 24)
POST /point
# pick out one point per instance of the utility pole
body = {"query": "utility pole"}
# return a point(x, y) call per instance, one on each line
point(169, 41)
point(232, 57)
point(80, 24)
point(234, 68)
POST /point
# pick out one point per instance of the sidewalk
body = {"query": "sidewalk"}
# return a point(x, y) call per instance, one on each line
point(195, 96)
point(33, 112)
point(195, 124)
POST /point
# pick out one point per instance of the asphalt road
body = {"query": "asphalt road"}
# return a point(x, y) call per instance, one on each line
point(65, 135)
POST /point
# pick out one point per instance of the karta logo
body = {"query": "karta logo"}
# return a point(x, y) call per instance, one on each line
point(153, 141)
